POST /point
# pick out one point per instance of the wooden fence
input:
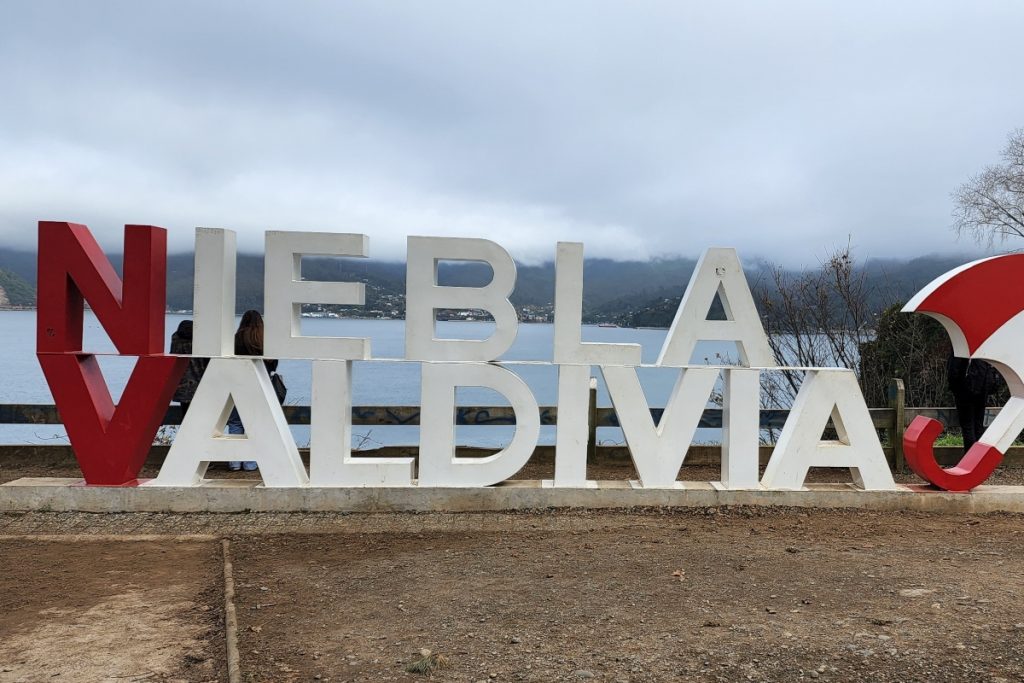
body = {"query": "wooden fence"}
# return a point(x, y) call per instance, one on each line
point(891, 423)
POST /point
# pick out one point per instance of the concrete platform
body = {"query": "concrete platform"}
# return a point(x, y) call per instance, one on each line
point(67, 495)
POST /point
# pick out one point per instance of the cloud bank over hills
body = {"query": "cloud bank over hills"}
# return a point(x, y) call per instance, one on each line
point(779, 128)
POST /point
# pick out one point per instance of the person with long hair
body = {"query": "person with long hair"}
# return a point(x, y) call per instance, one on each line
point(181, 343)
point(248, 342)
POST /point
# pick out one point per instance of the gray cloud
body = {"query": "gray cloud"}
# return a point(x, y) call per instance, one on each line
point(640, 129)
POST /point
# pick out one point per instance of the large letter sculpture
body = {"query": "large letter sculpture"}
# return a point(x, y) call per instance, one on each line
point(285, 291)
point(828, 393)
point(981, 305)
point(423, 296)
point(717, 273)
point(658, 449)
point(439, 465)
point(244, 385)
point(110, 442)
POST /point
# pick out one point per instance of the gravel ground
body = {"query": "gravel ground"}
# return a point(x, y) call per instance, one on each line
point(717, 594)
point(110, 611)
point(727, 594)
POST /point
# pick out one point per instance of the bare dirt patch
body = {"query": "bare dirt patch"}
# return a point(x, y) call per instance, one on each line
point(110, 611)
point(729, 595)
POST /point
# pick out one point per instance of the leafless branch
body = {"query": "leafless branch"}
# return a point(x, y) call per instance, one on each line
point(989, 208)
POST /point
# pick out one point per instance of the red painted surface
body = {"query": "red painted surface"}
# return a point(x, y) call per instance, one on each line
point(973, 469)
point(110, 442)
point(981, 299)
point(72, 267)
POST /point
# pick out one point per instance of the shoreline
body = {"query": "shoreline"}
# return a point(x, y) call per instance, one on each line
point(4, 309)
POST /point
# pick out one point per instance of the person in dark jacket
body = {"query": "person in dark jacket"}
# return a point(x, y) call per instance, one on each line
point(181, 343)
point(248, 342)
point(972, 381)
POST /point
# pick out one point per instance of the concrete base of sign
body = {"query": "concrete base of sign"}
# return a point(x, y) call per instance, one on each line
point(550, 484)
point(676, 486)
point(719, 486)
point(237, 495)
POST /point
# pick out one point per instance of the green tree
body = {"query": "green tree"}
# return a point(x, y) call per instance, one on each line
point(914, 348)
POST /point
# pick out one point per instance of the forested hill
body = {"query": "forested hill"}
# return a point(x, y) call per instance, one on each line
point(15, 292)
point(634, 293)
point(604, 279)
point(885, 282)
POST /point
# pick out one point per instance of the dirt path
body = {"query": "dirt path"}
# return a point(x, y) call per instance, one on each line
point(717, 597)
point(110, 611)
point(645, 595)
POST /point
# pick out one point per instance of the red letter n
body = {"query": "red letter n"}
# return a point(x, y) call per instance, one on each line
point(110, 443)
point(72, 267)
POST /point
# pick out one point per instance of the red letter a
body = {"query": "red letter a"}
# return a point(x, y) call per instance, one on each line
point(110, 443)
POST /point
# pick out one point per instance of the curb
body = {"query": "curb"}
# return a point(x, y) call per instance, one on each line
point(234, 496)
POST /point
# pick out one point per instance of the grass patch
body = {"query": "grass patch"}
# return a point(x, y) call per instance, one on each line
point(949, 440)
point(425, 663)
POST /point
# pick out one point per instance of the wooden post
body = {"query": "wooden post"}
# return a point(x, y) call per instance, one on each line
point(897, 401)
point(592, 423)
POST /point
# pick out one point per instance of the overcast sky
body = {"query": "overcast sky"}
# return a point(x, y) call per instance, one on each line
point(640, 129)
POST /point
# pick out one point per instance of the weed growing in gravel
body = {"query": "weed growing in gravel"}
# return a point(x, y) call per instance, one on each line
point(426, 662)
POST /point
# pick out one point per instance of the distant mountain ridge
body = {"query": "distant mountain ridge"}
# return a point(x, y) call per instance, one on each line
point(633, 293)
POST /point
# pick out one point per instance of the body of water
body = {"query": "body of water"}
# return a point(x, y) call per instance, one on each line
point(377, 382)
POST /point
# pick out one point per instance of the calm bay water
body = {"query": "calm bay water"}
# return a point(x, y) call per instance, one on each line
point(383, 382)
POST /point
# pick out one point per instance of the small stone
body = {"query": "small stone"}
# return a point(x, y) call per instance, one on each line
point(514, 640)
point(814, 674)
point(583, 673)
point(915, 592)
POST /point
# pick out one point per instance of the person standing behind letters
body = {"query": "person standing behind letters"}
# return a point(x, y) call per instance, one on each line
point(181, 344)
point(972, 381)
point(248, 342)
